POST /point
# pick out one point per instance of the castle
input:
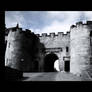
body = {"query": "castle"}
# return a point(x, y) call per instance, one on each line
point(31, 52)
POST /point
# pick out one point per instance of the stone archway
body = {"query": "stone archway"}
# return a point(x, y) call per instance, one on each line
point(49, 62)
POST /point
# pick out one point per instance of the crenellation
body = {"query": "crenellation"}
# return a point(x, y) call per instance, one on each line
point(80, 48)
point(52, 35)
point(68, 33)
point(44, 34)
point(38, 35)
point(27, 30)
point(64, 35)
point(60, 33)
point(79, 23)
point(89, 22)
point(72, 26)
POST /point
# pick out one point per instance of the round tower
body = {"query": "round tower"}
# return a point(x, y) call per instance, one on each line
point(80, 48)
point(22, 49)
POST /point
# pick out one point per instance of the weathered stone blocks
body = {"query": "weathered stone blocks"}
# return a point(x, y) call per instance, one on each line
point(79, 48)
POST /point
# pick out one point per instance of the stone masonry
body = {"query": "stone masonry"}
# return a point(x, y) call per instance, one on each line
point(74, 46)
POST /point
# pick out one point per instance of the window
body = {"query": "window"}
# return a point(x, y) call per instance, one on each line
point(91, 38)
point(9, 45)
point(6, 42)
point(7, 59)
point(91, 60)
point(67, 49)
point(91, 34)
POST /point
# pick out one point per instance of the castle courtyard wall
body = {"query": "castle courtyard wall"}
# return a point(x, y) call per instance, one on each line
point(56, 41)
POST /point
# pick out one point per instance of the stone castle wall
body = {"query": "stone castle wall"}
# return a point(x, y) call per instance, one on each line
point(56, 41)
point(21, 50)
point(22, 44)
point(80, 47)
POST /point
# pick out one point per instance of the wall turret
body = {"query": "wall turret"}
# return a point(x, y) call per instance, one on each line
point(22, 49)
point(80, 48)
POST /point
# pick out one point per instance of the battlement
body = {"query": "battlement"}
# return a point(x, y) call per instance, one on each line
point(53, 34)
point(80, 23)
point(89, 22)
point(44, 34)
point(26, 33)
point(60, 33)
point(17, 29)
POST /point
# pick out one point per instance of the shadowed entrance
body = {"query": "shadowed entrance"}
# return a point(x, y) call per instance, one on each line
point(66, 64)
point(49, 62)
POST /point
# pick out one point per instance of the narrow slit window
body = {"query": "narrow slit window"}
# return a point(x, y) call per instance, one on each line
point(9, 45)
point(67, 49)
point(91, 38)
point(91, 34)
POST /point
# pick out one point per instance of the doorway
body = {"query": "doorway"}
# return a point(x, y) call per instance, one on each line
point(49, 62)
point(67, 66)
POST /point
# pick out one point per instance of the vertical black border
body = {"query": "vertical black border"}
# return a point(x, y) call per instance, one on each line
point(2, 37)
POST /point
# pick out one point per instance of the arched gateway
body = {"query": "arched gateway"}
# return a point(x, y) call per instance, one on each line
point(49, 60)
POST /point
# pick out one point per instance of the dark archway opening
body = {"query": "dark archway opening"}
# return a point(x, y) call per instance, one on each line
point(49, 62)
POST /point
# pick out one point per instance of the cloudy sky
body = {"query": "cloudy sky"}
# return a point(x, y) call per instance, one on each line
point(46, 21)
